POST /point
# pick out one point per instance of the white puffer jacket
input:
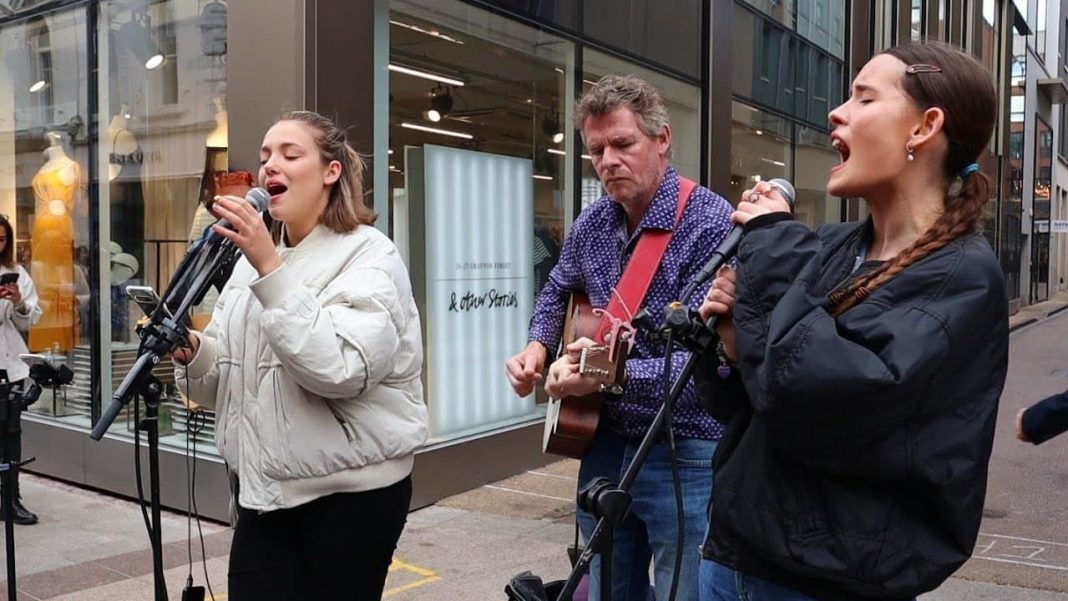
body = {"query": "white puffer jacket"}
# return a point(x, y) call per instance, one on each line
point(314, 371)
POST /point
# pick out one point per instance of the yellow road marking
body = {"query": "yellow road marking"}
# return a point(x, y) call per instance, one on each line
point(428, 576)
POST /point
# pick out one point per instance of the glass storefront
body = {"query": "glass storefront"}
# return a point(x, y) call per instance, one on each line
point(127, 200)
point(1010, 243)
point(793, 79)
point(987, 48)
point(478, 148)
point(760, 147)
point(481, 150)
point(1040, 224)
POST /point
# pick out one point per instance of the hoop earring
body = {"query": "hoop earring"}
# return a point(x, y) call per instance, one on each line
point(911, 157)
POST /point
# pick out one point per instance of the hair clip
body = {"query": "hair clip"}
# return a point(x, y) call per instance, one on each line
point(921, 68)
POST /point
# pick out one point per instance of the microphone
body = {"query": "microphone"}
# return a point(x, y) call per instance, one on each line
point(259, 198)
point(729, 246)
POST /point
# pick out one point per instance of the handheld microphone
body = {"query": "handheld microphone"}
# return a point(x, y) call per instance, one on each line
point(729, 246)
point(259, 198)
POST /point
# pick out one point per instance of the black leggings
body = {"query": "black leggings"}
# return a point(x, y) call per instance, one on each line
point(337, 547)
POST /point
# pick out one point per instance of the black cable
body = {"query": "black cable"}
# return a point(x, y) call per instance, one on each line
point(680, 534)
point(188, 508)
point(193, 492)
point(196, 421)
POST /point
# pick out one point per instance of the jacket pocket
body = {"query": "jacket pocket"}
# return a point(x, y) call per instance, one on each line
point(306, 438)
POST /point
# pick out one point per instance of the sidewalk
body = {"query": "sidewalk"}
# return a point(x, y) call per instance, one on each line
point(1039, 311)
point(93, 547)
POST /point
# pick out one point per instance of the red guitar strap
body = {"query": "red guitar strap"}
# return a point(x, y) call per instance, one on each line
point(638, 275)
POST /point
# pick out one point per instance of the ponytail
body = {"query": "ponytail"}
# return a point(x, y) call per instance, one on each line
point(961, 217)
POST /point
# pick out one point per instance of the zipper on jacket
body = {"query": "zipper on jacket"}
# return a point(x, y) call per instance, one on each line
point(345, 427)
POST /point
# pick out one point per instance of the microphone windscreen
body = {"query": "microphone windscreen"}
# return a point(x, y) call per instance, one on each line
point(259, 198)
point(785, 188)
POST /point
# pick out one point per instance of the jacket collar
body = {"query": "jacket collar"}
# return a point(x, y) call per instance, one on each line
point(316, 238)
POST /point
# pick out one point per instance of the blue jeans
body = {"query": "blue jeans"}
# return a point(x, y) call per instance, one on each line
point(720, 583)
point(649, 533)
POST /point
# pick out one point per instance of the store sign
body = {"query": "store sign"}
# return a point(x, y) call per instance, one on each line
point(1041, 226)
point(479, 284)
point(1059, 226)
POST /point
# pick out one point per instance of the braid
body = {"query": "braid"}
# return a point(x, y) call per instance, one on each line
point(960, 218)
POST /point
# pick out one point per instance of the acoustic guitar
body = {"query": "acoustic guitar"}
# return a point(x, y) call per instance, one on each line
point(571, 422)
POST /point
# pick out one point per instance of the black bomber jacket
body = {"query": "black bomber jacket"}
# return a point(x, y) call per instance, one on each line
point(854, 464)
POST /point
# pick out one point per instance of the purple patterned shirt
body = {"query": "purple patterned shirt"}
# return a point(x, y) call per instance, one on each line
point(592, 260)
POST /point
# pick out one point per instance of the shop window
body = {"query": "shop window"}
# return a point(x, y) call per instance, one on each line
point(666, 32)
point(760, 148)
point(779, 10)
point(44, 177)
point(479, 149)
point(163, 152)
point(813, 159)
point(823, 23)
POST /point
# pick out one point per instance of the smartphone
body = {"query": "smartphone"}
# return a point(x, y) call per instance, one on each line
point(145, 297)
point(9, 278)
point(34, 359)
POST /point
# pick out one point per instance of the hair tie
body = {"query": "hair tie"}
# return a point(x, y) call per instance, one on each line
point(970, 169)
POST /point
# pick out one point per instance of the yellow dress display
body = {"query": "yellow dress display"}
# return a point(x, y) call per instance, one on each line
point(52, 247)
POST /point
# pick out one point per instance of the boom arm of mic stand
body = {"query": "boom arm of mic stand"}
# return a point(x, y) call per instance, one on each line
point(162, 339)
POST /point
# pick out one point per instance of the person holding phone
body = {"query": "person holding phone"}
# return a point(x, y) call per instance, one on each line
point(18, 311)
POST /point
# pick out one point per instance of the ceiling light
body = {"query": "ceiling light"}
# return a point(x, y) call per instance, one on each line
point(425, 75)
point(37, 87)
point(434, 130)
point(545, 177)
point(154, 61)
point(773, 162)
point(558, 137)
point(440, 103)
point(557, 151)
point(136, 36)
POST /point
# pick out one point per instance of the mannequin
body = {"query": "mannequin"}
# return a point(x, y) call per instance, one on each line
point(124, 147)
point(55, 187)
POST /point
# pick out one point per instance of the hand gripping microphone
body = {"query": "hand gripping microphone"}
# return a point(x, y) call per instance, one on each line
point(260, 200)
point(729, 246)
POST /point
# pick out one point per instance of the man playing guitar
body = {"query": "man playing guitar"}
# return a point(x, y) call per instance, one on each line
point(624, 126)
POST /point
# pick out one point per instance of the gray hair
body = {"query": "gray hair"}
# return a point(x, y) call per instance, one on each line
point(614, 91)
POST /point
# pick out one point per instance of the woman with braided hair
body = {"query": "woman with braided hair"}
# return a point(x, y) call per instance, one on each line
point(861, 365)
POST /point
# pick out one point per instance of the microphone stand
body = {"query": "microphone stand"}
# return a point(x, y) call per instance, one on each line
point(611, 503)
point(165, 332)
point(11, 406)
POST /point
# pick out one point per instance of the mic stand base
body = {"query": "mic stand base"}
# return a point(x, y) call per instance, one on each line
point(150, 394)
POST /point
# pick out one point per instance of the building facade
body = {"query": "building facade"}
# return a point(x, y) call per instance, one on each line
point(118, 118)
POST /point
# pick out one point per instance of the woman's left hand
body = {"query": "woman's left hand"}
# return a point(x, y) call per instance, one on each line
point(564, 378)
point(249, 233)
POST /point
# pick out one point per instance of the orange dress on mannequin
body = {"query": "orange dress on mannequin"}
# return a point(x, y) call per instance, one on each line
point(52, 245)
